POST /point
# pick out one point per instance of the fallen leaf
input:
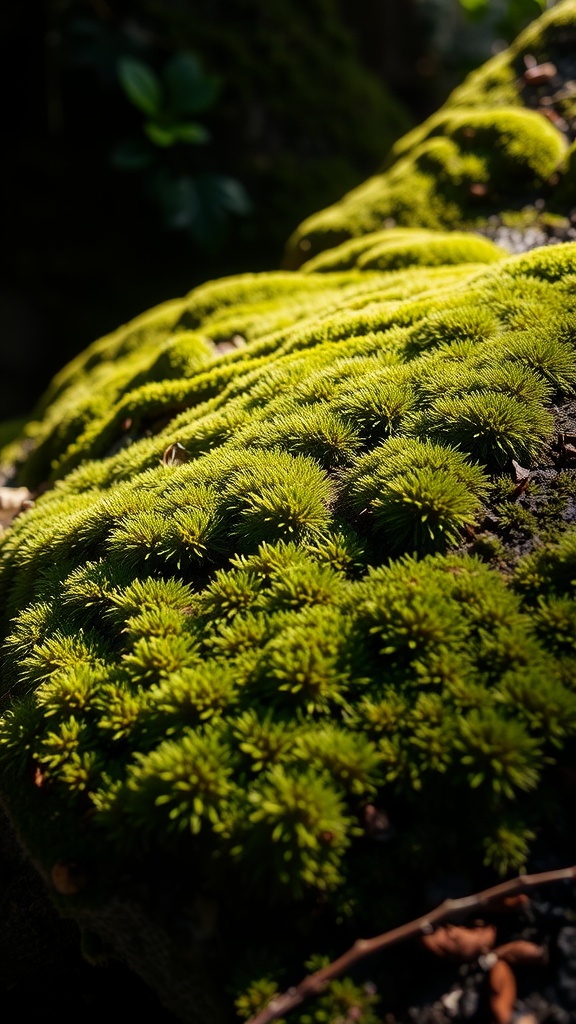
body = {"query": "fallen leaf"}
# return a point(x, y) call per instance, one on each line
point(13, 500)
point(539, 74)
point(459, 943)
point(509, 904)
point(521, 952)
point(175, 454)
point(67, 879)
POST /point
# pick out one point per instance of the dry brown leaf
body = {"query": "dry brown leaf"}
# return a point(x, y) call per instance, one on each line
point(12, 501)
point(459, 943)
point(67, 879)
point(510, 903)
point(175, 454)
point(503, 991)
point(539, 74)
point(521, 952)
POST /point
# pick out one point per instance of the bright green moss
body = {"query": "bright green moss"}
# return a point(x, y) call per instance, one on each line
point(484, 152)
point(225, 654)
point(506, 152)
point(394, 249)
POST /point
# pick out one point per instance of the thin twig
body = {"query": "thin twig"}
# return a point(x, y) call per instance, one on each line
point(315, 983)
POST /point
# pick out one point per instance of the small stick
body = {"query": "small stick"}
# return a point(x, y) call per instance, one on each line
point(315, 983)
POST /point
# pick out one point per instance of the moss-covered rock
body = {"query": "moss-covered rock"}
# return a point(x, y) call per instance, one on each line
point(260, 591)
point(498, 146)
point(287, 620)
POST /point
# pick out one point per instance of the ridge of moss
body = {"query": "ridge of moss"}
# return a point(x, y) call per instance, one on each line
point(484, 152)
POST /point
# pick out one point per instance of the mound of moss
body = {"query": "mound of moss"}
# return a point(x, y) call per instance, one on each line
point(268, 587)
point(502, 146)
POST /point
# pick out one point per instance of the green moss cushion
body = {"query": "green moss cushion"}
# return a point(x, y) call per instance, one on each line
point(497, 147)
point(395, 248)
point(256, 601)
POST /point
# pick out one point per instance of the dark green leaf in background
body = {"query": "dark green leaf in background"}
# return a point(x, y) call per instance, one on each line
point(189, 131)
point(233, 195)
point(189, 89)
point(475, 8)
point(176, 197)
point(159, 134)
point(141, 84)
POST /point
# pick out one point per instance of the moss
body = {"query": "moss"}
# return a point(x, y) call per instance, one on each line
point(254, 593)
point(262, 588)
point(483, 153)
point(397, 248)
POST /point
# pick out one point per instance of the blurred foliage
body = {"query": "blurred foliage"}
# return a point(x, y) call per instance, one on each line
point(461, 34)
point(199, 204)
point(516, 13)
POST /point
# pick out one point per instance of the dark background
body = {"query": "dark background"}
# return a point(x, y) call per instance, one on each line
point(313, 95)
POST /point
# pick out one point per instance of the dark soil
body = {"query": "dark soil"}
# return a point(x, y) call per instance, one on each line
point(530, 506)
point(42, 967)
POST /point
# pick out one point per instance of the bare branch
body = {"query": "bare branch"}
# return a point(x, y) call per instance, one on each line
point(315, 983)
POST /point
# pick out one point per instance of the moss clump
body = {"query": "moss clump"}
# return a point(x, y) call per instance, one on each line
point(245, 606)
point(488, 151)
point(397, 248)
